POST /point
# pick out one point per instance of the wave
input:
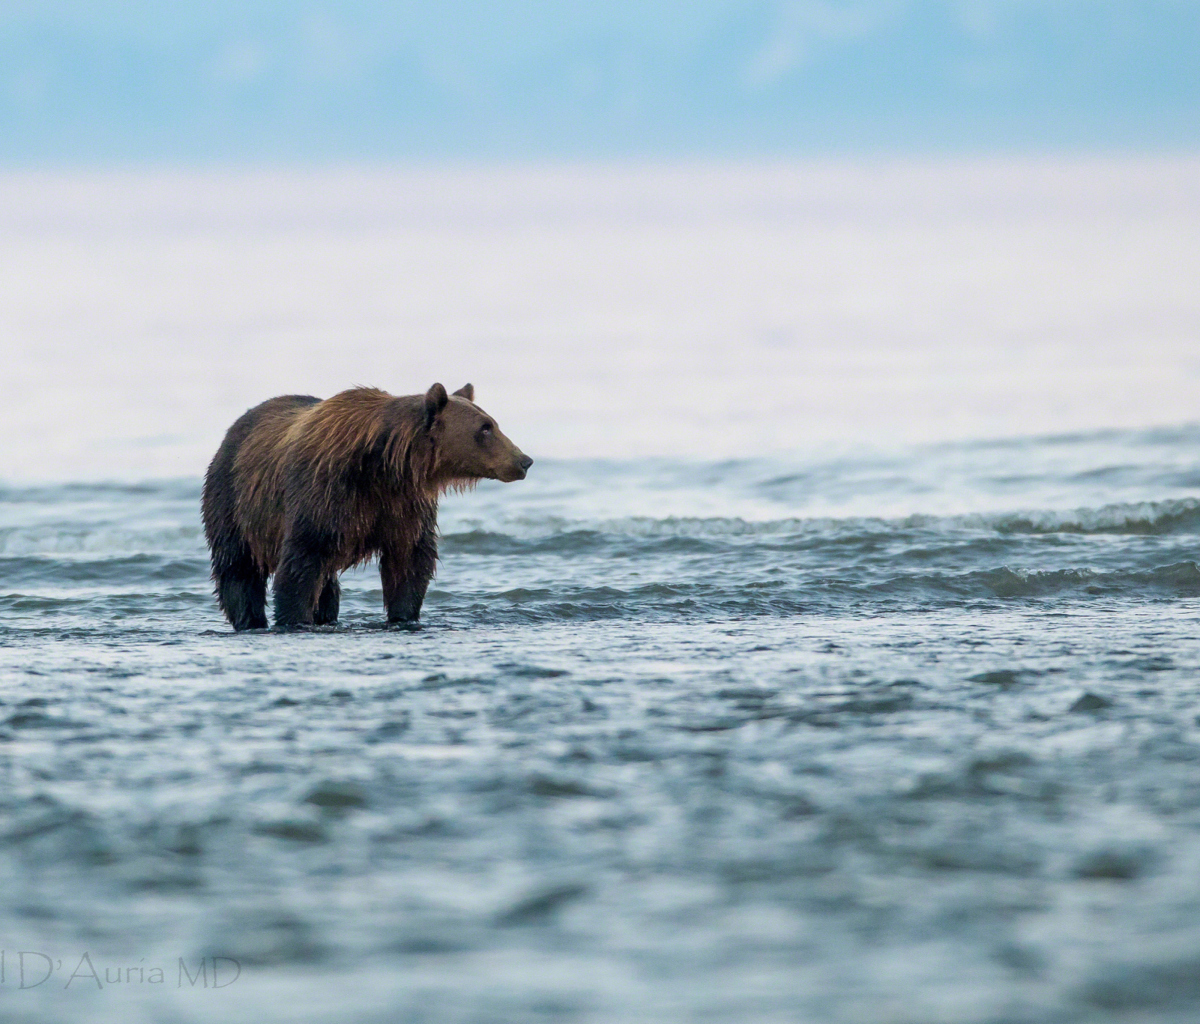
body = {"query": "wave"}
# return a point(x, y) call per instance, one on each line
point(718, 598)
point(1178, 579)
point(80, 537)
point(553, 535)
point(819, 593)
point(186, 489)
point(43, 569)
point(1181, 515)
point(120, 551)
point(106, 605)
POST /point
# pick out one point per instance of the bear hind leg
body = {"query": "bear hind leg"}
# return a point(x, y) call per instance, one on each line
point(302, 575)
point(242, 593)
point(328, 603)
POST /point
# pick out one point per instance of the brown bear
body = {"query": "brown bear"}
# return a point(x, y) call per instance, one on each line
point(305, 488)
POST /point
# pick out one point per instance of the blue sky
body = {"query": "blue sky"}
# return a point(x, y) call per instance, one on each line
point(98, 81)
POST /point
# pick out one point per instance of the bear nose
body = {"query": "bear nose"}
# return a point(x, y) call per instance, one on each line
point(525, 462)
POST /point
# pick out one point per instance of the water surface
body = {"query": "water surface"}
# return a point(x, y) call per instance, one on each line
point(900, 736)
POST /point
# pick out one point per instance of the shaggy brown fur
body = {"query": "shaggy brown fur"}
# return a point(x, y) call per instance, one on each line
point(303, 489)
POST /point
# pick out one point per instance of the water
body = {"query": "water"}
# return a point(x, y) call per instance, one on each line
point(902, 735)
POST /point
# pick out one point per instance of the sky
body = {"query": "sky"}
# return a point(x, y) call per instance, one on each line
point(135, 81)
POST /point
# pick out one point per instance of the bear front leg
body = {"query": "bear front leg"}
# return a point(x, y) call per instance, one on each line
point(405, 574)
point(301, 575)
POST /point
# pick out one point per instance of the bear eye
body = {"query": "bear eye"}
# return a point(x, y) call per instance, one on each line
point(485, 431)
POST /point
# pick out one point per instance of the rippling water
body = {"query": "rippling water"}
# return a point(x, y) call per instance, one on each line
point(901, 736)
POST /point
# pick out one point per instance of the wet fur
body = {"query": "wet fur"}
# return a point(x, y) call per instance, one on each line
point(303, 489)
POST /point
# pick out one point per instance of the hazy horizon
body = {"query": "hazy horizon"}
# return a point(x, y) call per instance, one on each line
point(697, 311)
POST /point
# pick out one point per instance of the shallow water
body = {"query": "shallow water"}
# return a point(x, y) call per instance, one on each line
point(901, 736)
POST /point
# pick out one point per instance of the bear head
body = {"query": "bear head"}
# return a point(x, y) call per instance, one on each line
point(469, 444)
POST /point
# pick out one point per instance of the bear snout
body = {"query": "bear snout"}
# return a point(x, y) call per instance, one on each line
point(517, 470)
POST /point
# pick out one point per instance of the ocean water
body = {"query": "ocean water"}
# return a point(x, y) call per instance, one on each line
point(908, 735)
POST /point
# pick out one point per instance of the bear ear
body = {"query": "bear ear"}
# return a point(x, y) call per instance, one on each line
point(435, 401)
point(467, 391)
